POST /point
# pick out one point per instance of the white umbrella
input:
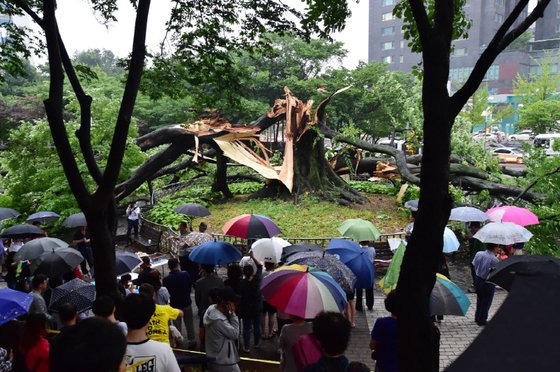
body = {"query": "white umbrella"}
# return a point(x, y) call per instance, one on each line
point(269, 249)
point(503, 233)
point(395, 243)
point(467, 214)
point(450, 241)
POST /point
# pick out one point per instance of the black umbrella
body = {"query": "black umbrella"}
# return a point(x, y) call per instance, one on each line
point(295, 248)
point(193, 209)
point(75, 220)
point(7, 213)
point(125, 262)
point(56, 262)
point(33, 249)
point(526, 325)
point(43, 217)
point(22, 231)
point(520, 266)
point(77, 292)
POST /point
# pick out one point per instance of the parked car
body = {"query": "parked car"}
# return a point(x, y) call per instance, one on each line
point(485, 136)
point(524, 135)
point(547, 142)
point(513, 144)
point(508, 155)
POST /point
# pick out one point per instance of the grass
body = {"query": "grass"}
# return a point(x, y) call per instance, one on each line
point(311, 218)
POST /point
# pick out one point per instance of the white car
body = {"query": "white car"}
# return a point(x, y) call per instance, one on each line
point(524, 135)
point(508, 155)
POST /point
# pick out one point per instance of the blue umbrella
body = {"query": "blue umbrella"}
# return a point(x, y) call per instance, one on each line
point(7, 213)
point(215, 253)
point(356, 258)
point(43, 217)
point(13, 304)
point(450, 241)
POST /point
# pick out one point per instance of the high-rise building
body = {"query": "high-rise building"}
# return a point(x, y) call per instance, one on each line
point(386, 43)
point(548, 26)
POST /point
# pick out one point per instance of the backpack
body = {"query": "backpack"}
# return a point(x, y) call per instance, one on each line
point(306, 350)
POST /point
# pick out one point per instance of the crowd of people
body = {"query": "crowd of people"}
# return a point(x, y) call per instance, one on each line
point(147, 317)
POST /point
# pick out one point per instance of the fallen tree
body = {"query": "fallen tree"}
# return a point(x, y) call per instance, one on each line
point(310, 171)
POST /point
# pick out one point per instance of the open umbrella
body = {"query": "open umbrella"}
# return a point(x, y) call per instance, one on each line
point(13, 304)
point(528, 320)
point(193, 210)
point(43, 217)
point(510, 213)
point(450, 241)
point(328, 263)
point(56, 262)
point(215, 253)
point(75, 220)
point(22, 231)
point(36, 247)
point(467, 214)
point(76, 291)
point(522, 266)
point(125, 262)
point(412, 205)
point(195, 238)
point(360, 230)
point(447, 298)
point(295, 248)
point(302, 291)
point(7, 213)
point(356, 258)
point(269, 249)
point(251, 226)
point(503, 233)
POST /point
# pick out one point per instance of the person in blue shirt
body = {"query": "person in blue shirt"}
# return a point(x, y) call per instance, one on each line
point(484, 262)
point(369, 291)
point(384, 338)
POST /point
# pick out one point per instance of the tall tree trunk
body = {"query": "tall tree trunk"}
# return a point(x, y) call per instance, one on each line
point(419, 267)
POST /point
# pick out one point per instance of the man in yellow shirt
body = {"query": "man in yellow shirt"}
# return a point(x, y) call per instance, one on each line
point(158, 327)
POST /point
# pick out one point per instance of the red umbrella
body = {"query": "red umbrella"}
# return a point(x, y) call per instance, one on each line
point(251, 226)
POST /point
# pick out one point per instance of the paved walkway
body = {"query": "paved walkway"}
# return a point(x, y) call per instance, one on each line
point(457, 332)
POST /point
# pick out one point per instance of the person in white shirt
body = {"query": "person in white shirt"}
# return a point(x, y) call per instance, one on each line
point(143, 354)
point(132, 216)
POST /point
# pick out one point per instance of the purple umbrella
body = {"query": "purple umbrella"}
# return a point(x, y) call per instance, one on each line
point(7, 213)
point(13, 304)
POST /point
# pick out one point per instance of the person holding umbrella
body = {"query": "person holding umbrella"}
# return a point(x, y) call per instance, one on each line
point(250, 307)
point(369, 291)
point(82, 242)
point(483, 264)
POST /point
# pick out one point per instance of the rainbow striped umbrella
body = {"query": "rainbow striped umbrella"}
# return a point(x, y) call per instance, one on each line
point(447, 298)
point(251, 226)
point(302, 291)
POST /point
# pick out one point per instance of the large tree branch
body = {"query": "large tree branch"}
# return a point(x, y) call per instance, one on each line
point(496, 189)
point(84, 132)
point(499, 42)
point(132, 85)
point(530, 186)
point(444, 14)
point(54, 106)
point(421, 19)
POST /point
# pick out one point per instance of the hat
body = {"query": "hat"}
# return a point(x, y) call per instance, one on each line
point(228, 294)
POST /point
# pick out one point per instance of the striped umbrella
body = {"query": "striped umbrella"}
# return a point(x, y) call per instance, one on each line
point(302, 291)
point(251, 226)
point(447, 298)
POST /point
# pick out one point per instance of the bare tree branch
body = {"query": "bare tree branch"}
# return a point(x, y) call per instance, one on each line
point(530, 186)
point(54, 105)
point(499, 42)
point(120, 135)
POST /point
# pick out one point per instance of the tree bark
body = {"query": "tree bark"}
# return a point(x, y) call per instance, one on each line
point(220, 183)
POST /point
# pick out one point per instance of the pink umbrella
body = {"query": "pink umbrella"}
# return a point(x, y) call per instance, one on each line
point(517, 215)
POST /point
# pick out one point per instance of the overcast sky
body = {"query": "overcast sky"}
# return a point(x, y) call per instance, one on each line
point(81, 30)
